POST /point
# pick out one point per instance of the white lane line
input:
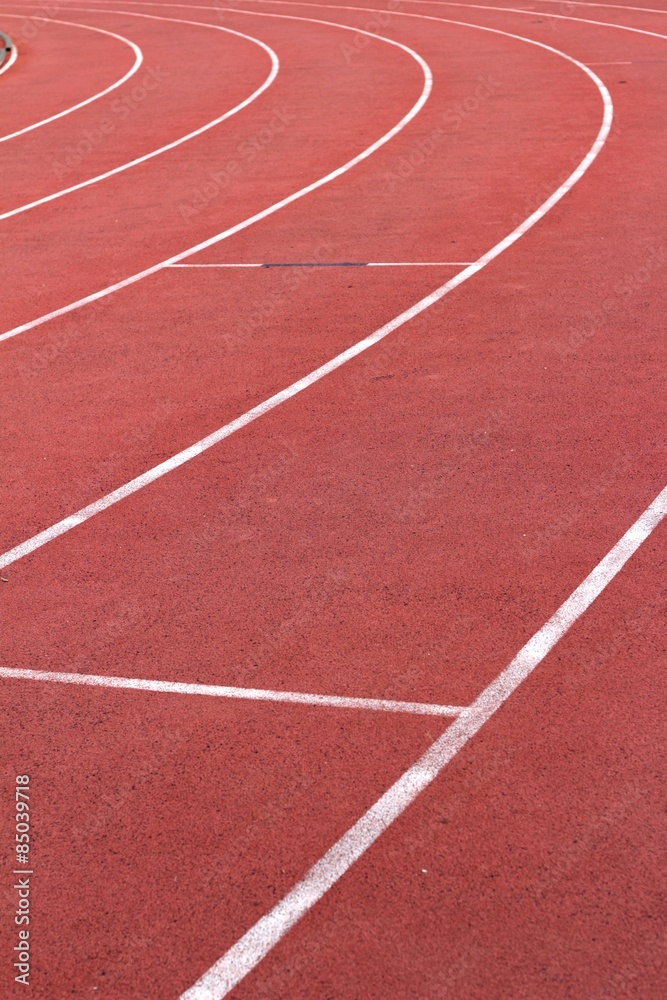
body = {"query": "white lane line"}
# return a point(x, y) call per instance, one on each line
point(423, 263)
point(445, 3)
point(256, 943)
point(265, 213)
point(138, 59)
point(150, 476)
point(609, 6)
point(170, 145)
point(412, 263)
point(507, 10)
point(240, 693)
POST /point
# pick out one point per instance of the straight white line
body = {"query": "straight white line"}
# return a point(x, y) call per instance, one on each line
point(422, 263)
point(216, 265)
point(412, 263)
point(138, 59)
point(255, 944)
point(218, 691)
point(61, 527)
point(170, 145)
point(265, 213)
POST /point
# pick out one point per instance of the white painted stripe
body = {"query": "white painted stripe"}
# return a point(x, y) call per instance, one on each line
point(170, 145)
point(268, 931)
point(241, 693)
point(61, 527)
point(265, 213)
point(412, 263)
point(422, 263)
point(216, 265)
point(612, 6)
point(138, 59)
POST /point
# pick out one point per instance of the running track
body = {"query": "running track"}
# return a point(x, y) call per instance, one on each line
point(346, 679)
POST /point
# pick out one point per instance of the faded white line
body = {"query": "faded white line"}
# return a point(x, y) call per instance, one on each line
point(61, 527)
point(268, 931)
point(265, 213)
point(239, 693)
point(170, 145)
point(138, 59)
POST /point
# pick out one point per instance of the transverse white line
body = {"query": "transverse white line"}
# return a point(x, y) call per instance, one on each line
point(412, 263)
point(255, 944)
point(241, 693)
point(422, 263)
point(216, 265)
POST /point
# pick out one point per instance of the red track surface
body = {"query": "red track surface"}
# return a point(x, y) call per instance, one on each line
point(397, 531)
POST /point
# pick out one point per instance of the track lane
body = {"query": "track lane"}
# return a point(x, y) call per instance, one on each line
point(239, 369)
point(632, 419)
point(63, 192)
point(97, 138)
point(160, 174)
point(138, 59)
point(51, 55)
point(532, 869)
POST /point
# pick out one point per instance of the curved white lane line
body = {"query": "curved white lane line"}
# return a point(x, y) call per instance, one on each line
point(61, 527)
point(339, 171)
point(429, 3)
point(177, 142)
point(138, 59)
point(609, 6)
point(520, 10)
point(12, 59)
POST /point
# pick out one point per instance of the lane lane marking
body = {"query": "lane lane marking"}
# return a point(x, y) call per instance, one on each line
point(238, 693)
point(138, 59)
point(265, 213)
point(170, 145)
point(169, 465)
point(258, 941)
